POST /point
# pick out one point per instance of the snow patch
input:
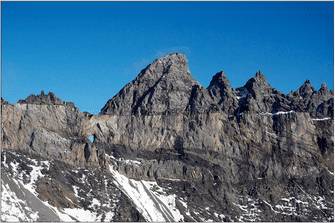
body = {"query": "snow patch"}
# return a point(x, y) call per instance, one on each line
point(283, 113)
point(34, 175)
point(80, 214)
point(95, 203)
point(250, 211)
point(270, 206)
point(109, 216)
point(149, 198)
point(221, 216)
point(12, 206)
point(242, 93)
point(14, 209)
point(276, 113)
point(131, 162)
point(75, 189)
point(320, 119)
point(61, 215)
point(171, 179)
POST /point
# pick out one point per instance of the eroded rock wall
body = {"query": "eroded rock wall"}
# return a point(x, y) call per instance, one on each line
point(50, 130)
point(212, 146)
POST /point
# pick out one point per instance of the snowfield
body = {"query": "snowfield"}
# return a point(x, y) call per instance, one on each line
point(13, 208)
point(149, 198)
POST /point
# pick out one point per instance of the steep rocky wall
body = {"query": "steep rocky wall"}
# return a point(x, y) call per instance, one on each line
point(244, 124)
point(53, 131)
point(216, 144)
point(260, 139)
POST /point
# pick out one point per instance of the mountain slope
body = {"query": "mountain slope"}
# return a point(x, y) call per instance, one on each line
point(167, 149)
point(164, 87)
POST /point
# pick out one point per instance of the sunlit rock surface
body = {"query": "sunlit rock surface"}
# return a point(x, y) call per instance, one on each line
point(166, 148)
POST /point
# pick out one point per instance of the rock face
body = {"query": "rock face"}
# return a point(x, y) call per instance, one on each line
point(257, 96)
point(49, 99)
point(222, 94)
point(47, 126)
point(312, 99)
point(162, 88)
point(196, 153)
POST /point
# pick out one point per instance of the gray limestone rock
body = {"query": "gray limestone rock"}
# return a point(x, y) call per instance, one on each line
point(222, 94)
point(258, 96)
point(326, 109)
point(47, 126)
point(306, 98)
point(163, 87)
point(248, 154)
point(49, 99)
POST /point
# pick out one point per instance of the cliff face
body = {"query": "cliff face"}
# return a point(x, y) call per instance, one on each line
point(165, 87)
point(252, 153)
point(50, 128)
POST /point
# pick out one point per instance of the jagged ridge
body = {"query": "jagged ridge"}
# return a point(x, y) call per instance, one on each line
point(214, 153)
point(167, 87)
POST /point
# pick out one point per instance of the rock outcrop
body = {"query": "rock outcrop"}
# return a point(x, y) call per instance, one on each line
point(42, 99)
point(165, 87)
point(222, 94)
point(257, 96)
point(252, 153)
point(47, 126)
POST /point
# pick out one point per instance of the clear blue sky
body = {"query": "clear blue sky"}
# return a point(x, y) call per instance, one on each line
point(85, 52)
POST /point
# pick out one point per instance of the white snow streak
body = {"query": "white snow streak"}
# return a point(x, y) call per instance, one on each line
point(242, 94)
point(12, 206)
point(320, 119)
point(152, 205)
point(80, 214)
point(277, 113)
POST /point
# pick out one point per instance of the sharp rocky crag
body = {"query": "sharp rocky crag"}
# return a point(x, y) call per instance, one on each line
point(168, 149)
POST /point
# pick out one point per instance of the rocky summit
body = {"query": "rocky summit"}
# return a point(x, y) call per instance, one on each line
point(166, 148)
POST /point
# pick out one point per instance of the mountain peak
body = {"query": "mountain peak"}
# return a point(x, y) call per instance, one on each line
point(307, 82)
point(323, 87)
point(169, 150)
point(50, 99)
point(173, 57)
point(163, 87)
point(43, 99)
point(221, 93)
point(219, 80)
point(258, 82)
point(219, 75)
point(306, 89)
point(259, 77)
point(173, 63)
